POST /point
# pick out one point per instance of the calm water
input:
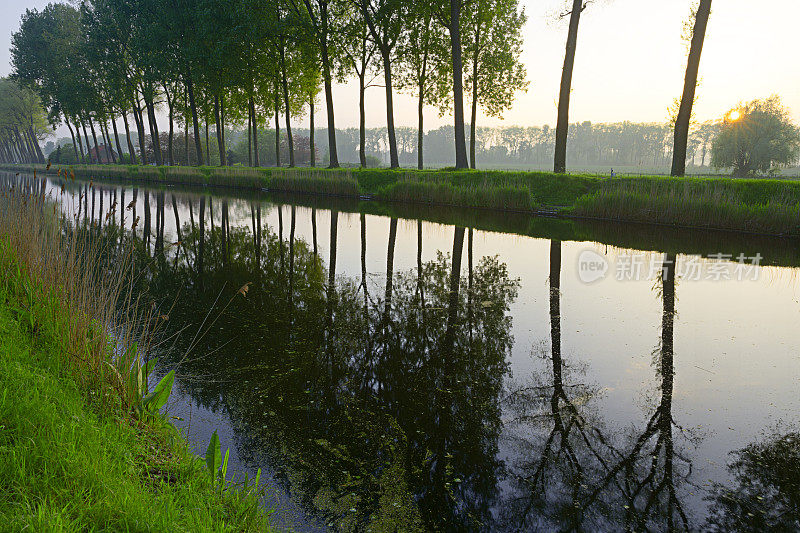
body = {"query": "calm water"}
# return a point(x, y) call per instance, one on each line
point(431, 370)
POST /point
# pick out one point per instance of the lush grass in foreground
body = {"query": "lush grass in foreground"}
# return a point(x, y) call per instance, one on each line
point(82, 445)
point(754, 205)
point(69, 461)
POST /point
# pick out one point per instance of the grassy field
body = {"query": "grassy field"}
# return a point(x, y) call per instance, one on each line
point(768, 206)
point(83, 446)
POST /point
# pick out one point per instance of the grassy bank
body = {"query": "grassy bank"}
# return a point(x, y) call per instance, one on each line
point(757, 206)
point(768, 206)
point(81, 446)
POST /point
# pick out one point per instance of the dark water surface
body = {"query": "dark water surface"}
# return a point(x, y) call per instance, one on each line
point(410, 369)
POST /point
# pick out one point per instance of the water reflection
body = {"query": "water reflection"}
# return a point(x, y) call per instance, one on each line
point(382, 410)
point(572, 472)
point(766, 493)
point(384, 399)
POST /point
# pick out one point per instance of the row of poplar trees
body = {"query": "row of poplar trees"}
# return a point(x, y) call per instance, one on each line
point(22, 123)
point(239, 62)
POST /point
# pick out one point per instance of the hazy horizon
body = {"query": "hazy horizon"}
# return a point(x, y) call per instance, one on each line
point(624, 70)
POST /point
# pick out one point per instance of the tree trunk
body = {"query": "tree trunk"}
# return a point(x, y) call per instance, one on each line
point(26, 144)
point(195, 123)
point(458, 83)
point(312, 148)
point(94, 139)
point(255, 132)
point(705, 150)
point(25, 147)
point(24, 156)
point(474, 115)
point(72, 134)
point(222, 123)
point(394, 160)
point(326, 74)
point(116, 139)
point(86, 139)
point(151, 120)
point(362, 120)
point(131, 151)
point(170, 105)
point(286, 106)
point(142, 140)
point(39, 153)
point(249, 136)
point(186, 137)
point(208, 143)
point(562, 127)
point(689, 87)
point(277, 128)
point(110, 150)
point(220, 143)
point(420, 130)
point(472, 127)
point(24, 151)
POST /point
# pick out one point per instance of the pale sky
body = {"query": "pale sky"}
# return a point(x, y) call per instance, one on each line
point(629, 66)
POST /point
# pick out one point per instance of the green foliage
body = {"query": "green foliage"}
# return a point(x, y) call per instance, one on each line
point(157, 399)
point(492, 47)
point(71, 463)
point(213, 457)
point(23, 122)
point(757, 137)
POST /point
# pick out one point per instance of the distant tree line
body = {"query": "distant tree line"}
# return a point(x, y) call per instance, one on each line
point(623, 144)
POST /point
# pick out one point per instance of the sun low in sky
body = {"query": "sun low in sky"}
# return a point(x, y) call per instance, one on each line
point(629, 65)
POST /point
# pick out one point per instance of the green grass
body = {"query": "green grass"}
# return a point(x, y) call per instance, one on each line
point(759, 206)
point(314, 182)
point(751, 205)
point(71, 459)
point(450, 191)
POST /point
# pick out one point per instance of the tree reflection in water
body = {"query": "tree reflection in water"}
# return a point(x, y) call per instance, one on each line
point(383, 413)
point(766, 494)
point(568, 471)
point(379, 402)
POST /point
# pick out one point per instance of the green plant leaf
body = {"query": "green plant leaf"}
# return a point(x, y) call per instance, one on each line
point(225, 464)
point(158, 398)
point(213, 456)
point(148, 367)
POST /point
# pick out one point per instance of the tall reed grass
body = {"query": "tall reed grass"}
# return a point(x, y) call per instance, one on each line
point(752, 205)
point(88, 449)
point(314, 182)
point(105, 329)
point(694, 203)
point(487, 194)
